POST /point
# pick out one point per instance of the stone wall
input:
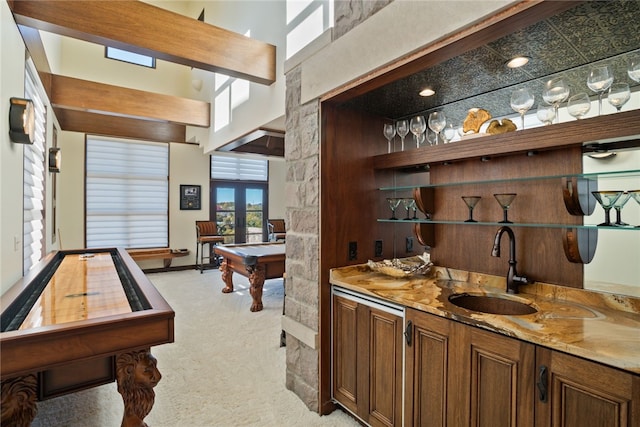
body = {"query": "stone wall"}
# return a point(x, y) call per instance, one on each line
point(303, 211)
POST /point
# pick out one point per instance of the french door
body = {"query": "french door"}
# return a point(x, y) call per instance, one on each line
point(240, 209)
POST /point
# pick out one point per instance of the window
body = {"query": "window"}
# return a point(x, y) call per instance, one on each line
point(127, 193)
point(34, 178)
point(238, 168)
point(131, 57)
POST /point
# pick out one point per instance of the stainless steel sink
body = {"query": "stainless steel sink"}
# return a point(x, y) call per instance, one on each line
point(493, 304)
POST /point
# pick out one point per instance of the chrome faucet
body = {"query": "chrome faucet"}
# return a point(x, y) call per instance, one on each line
point(513, 280)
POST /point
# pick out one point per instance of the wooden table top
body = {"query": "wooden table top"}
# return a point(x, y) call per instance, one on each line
point(82, 287)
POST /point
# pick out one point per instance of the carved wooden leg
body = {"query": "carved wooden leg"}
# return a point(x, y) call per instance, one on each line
point(137, 375)
point(256, 279)
point(227, 277)
point(19, 401)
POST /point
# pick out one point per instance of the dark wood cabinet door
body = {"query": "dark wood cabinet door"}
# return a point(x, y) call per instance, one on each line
point(583, 393)
point(345, 353)
point(384, 406)
point(502, 380)
point(427, 370)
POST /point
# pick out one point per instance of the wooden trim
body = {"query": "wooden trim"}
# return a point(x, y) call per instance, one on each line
point(149, 30)
point(84, 95)
point(124, 127)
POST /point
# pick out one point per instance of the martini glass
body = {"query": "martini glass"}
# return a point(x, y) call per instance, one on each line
point(389, 132)
point(402, 127)
point(471, 202)
point(505, 200)
point(606, 199)
point(618, 205)
point(393, 204)
point(635, 195)
point(414, 206)
point(407, 206)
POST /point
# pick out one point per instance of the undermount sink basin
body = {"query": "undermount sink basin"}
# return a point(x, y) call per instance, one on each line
point(492, 304)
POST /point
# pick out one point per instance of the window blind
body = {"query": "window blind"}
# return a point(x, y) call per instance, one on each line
point(238, 168)
point(127, 193)
point(33, 204)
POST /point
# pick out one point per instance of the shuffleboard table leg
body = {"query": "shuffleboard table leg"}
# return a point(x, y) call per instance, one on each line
point(256, 280)
point(19, 397)
point(227, 277)
point(137, 375)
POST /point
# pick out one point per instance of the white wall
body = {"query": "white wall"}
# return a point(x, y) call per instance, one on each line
point(12, 52)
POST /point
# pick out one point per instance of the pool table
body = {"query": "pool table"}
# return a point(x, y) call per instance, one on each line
point(80, 319)
point(257, 261)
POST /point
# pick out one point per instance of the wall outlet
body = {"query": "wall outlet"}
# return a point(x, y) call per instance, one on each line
point(377, 252)
point(409, 244)
point(353, 251)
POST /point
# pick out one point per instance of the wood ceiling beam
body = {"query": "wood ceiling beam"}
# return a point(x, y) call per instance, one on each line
point(149, 30)
point(83, 95)
point(124, 127)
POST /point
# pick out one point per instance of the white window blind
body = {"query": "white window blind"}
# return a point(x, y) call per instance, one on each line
point(34, 180)
point(127, 193)
point(238, 168)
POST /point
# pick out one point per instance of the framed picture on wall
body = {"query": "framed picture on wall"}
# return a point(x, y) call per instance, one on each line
point(189, 197)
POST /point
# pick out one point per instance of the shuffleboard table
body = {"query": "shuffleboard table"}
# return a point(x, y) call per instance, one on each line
point(80, 319)
point(257, 261)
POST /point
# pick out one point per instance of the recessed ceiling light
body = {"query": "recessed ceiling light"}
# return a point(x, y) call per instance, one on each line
point(518, 61)
point(427, 92)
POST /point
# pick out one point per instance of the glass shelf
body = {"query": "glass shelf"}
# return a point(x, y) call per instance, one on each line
point(515, 224)
point(598, 175)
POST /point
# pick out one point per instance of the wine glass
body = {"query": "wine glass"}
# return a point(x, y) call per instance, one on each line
point(417, 127)
point(393, 204)
point(389, 133)
point(579, 105)
point(437, 122)
point(521, 101)
point(546, 114)
point(471, 202)
point(599, 80)
point(555, 92)
point(505, 200)
point(619, 94)
point(606, 199)
point(449, 132)
point(432, 138)
point(402, 128)
point(634, 70)
point(618, 205)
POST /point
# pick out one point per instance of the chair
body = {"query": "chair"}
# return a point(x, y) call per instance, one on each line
point(277, 229)
point(206, 234)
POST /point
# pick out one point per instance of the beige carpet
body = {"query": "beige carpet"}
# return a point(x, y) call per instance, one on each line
point(225, 368)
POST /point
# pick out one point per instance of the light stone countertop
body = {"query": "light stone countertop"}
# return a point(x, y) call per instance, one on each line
point(598, 326)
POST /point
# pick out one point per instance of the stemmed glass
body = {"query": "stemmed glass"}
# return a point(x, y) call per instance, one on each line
point(407, 206)
point(555, 92)
point(618, 205)
point(417, 127)
point(521, 101)
point(471, 202)
point(635, 194)
point(414, 206)
point(437, 122)
point(393, 204)
point(619, 94)
point(505, 200)
point(634, 70)
point(449, 132)
point(606, 199)
point(402, 127)
point(599, 80)
point(389, 133)
point(546, 114)
point(579, 105)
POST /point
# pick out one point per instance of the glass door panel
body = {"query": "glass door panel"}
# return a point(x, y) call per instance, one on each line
point(240, 211)
point(254, 209)
point(225, 211)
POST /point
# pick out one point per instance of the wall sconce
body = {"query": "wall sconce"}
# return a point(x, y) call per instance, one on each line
point(55, 159)
point(22, 121)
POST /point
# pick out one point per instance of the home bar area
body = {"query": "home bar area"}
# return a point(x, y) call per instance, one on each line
point(525, 199)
